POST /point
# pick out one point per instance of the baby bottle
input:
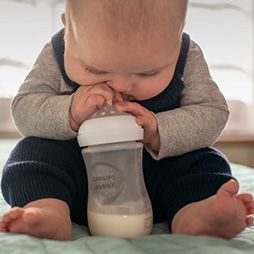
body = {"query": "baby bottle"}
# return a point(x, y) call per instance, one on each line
point(118, 203)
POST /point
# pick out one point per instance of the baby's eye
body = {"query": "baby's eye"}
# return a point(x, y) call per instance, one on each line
point(150, 74)
point(95, 71)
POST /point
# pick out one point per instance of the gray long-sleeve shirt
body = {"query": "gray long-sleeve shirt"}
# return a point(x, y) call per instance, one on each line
point(41, 107)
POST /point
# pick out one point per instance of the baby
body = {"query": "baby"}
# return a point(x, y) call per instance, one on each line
point(135, 55)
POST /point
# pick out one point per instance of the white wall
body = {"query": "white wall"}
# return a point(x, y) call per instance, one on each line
point(7, 127)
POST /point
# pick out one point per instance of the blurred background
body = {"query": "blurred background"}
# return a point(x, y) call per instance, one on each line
point(223, 28)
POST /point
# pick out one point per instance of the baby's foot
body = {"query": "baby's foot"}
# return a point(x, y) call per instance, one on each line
point(45, 218)
point(225, 214)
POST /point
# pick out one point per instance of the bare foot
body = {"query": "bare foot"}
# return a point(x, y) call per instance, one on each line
point(44, 218)
point(225, 214)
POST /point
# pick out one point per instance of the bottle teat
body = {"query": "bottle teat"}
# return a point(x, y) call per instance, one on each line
point(108, 125)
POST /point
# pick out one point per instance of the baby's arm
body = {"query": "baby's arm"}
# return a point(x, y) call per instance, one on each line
point(46, 106)
point(40, 108)
point(203, 113)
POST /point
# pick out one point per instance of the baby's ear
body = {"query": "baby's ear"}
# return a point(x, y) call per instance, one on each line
point(63, 19)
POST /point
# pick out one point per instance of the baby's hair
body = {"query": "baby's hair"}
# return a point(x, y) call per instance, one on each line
point(123, 18)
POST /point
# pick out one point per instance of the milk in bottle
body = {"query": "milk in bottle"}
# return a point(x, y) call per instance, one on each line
point(118, 203)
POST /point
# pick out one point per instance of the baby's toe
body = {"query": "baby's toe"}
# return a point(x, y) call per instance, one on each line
point(228, 189)
point(245, 197)
point(249, 221)
point(250, 207)
point(12, 215)
point(3, 226)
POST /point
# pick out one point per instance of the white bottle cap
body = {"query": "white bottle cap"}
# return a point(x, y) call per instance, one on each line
point(109, 129)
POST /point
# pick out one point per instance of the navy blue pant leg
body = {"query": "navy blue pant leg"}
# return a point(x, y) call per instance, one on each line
point(175, 182)
point(42, 168)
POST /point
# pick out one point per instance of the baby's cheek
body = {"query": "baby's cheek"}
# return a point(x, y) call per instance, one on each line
point(147, 89)
point(78, 75)
point(71, 69)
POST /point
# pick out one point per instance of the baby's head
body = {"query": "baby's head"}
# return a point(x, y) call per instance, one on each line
point(132, 45)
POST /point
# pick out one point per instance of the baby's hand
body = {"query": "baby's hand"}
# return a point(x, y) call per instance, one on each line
point(144, 118)
point(87, 100)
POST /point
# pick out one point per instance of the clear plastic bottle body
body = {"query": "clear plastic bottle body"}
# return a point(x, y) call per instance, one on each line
point(118, 203)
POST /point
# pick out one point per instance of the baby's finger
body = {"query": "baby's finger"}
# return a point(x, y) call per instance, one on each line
point(118, 97)
point(141, 120)
point(145, 122)
point(130, 107)
point(103, 90)
point(95, 102)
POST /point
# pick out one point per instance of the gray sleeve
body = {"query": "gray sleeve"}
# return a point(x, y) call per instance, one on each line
point(202, 115)
point(40, 108)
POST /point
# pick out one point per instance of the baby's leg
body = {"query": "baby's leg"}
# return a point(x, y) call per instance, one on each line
point(44, 218)
point(44, 178)
point(224, 215)
point(192, 181)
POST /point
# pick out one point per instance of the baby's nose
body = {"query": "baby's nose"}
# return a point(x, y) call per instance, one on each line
point(121, 86)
